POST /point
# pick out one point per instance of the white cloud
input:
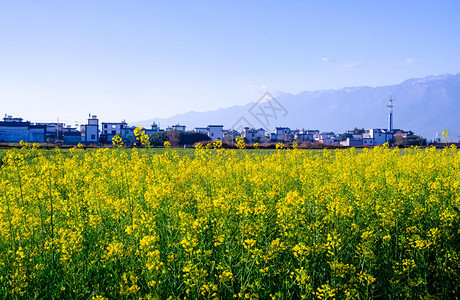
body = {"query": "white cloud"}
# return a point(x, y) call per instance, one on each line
point(330, 60)
point(351, 65)
point(345, 65)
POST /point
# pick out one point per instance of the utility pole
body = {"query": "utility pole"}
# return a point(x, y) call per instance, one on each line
point(390, 113)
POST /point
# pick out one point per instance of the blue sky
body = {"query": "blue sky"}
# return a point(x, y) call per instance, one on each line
point(136, 60)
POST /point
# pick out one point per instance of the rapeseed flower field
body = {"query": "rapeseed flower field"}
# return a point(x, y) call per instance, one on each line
point(230, 224)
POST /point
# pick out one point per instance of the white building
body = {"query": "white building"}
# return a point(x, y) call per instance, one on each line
point(376, 136)
point(306, 135)
point(370, 137)
point(90, 131)
point(352, 142)
point(323, 136)
point(113, 129)
point(282, 134)
point(178, 127)
point(253, 135)
point(215, 132)
point(203, 130)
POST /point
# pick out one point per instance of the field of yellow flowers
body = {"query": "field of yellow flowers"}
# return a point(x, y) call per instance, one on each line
point(230, 224)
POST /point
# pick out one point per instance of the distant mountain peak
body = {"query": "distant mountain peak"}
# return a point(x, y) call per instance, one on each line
point(424, 110)
point(430, 78)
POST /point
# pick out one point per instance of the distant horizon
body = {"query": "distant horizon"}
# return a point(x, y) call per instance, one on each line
point(82, 121)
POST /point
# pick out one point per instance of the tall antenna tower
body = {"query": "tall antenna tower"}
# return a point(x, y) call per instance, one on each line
point(390, 113)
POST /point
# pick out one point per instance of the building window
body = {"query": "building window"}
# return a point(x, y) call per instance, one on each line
point(114, 126)
point(114, 132)
point(93, 136)
point(105, 125)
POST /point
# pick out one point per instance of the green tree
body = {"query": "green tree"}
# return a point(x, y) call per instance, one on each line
point(191, 137)
point(173, 137)
point(405, 141)
point(177, 138)
point(358, 131)
point(415, 140)
point(157, 139)
point(344, 136)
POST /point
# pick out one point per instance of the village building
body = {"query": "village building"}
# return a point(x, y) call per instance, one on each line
point(281, 134)
point(216, 132)
point(377, 136)
point(14, 130)
point(253, 135)
point(203, 130)
point(230, 135)
point(71, 136)
point(177, 127)
point(111, 129)
point(306, 135)
point(154, 128)
point(127, 132)
point(90, 131)
point(54, 131)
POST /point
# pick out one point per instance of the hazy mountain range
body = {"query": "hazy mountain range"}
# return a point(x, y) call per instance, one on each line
point(425, 105)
